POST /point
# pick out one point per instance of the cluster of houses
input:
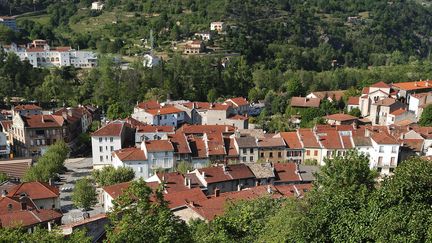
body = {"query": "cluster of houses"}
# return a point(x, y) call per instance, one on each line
point(203, 193)
point(40, 54)
point(31, 130)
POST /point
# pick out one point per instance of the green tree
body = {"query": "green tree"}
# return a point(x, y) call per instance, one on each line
point(3, 177)
point(355, 112)
point(184, 166)
point(156, 222)
point(84, 194)
point(426, 116)
point(41, 235)
point(110, 175)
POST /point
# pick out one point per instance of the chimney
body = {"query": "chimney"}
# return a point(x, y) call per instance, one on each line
point(185, 181)
point(269, 189)
point(189, 183)
point(203, 174)
point(224, 168)
point(4, 193)
point(64, 115)
point(50, 182)
point(239, 187)
point(42, 118)
point(217, 192)
point(192, 204)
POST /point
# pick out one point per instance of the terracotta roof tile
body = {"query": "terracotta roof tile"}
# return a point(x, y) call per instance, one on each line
point(238, 101)
point(26, 218)
point(180, 199)
point(15, 168)
point(112, 129)
point(308, 138)
point(286, 172)
point(35, 190)
point(271, 142)
point(398, 112)
point(130, 154)
point(383, 138)
point(180, 143)
point(305, 102)
point(232, 172)
point(230, 148)
point(353, 100)
point(198, 147)
point(292, 140)
point(340, 117)
point(43, 121)
point(416, 85)
point(386, 102)
point(27, 107)
point(159, 146)
point(337, 94)
point(151, 104)
point(201, 129)
point(155, 128)
point(380, 84)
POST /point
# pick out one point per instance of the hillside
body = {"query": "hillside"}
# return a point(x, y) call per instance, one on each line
point(290, 34)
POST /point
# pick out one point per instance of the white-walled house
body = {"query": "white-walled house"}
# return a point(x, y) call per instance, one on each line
point(151, 156)
point(152, 132)
point(385, 152)
point(161, 115)
point(106, 140)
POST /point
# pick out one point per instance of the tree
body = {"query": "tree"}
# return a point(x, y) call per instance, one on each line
point(110, 175)
point(355, 112)
point(136, 218)
point(3, 177)
point(41, 235)
point(184, 166)
point(50, 164)
point(426, 116)
point(84, 194)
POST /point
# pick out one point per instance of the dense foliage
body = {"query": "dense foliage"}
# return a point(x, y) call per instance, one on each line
point(41, 235)
point(139, 215)
point(84, 194)
point(49, 164)
point(109, 175)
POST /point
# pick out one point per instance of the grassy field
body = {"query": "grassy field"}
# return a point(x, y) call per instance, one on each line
point(38, 18)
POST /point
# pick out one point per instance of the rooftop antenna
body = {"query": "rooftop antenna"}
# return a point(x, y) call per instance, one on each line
point(151, 42)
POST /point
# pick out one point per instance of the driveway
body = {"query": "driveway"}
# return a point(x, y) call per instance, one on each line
point(77, 168)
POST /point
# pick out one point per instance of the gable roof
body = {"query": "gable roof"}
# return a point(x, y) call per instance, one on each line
point(238, 101)
point(164, 110)
point(159, 146)
point(261, 170)
point(415, 85)
point(112, 129)
point(286, 172)
point(340, 117)
point(307, 136)
point(337, 94)
point(383, 138)
point(292, 140)
point(27, 107)
point(35, 190)
point(130, 154)
point(380, 84)
point(217, 174)
point(151, 104)
point(43, 121)
point(180, 143)
point(246, 142)
point(305, 102)
point(201, 129)
point(271, 142)
point(15, 168)
point(353, 100)
point(26, 218)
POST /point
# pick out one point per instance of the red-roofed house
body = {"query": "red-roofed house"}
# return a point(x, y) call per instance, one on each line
point(154, 113)
point(225, 178)
point(385, 153)
point(381, 109)
point(294, 150)
point(43, 195)
point(153, 155)
point(33, 134)
point(340, 119)
point(152, 132)
point(312, 148)
point(332, 96)
point(405, 89)
point(353, 103)
point(26, 110)
point(304, 102)
point(373, 94)
point(272, 149)
point(240, 104)
point(114, 136)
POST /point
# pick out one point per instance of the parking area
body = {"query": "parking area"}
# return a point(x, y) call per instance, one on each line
point(77, 168)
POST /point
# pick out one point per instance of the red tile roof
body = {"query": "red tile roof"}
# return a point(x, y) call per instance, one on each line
point(112, 129)
point(35, 190)
point(215, 144)
point(238, 117)
point(130, 154)
point(117, 189)
point(201, 129)
point(164, 110)
point(305, 102)
point(286, 172)
point(386, 102)
point(151, 104)
point(380, 84)
point(27, 107)
point(292, 140)
point(180, 143)
point(15, 168)
point(271, 142)
point(180, 199)
point(173, 182)
point(206, 106)
point(159, 146)
point(134, 123)
point(413, 85)
point(353, 100)
point(154, 129)
point(26, 218)
point(383, 138)
point(238, 101)
point(337, 94)
point(308, 138)
point(217, 174)
point(330, 139)
point(340, 117)
point(398, 112)
point(43, 121)
point(230, 148)
point(198, 147)
point(365, 90)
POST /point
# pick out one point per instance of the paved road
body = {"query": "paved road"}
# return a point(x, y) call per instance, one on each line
point(77, 168)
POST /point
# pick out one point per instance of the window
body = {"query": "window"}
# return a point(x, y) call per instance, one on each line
point(112, 148)
point(392, 161)
point(140, 169)
point(166, 153)
point(100, 148)
point(279, 154)
point(251, 159)
point(271, 154)
point(316, 153)
point(101, 158)
point(393, 149)
point(380, 163)
point(251, 150)
point(111, 139)
point(328, 153)
point(244, 150)
point(166, 165)
point(308, 152)
point(381, 149)
point(262, 155)
point(244, 158)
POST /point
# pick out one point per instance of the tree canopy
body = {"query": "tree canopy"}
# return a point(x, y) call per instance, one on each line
point(109, 175)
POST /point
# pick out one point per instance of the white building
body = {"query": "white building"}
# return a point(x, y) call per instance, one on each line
point(217, 26)
point(97, 6)
point(106, 140)
point(164, 115)
point(46, 56)
point(152, 132)
point(205, 36)
point(9, 22)
point(152, 156)
point(385, 152)
point(150, 60)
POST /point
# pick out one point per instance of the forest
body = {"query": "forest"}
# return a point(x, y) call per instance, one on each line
point(286, 48)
